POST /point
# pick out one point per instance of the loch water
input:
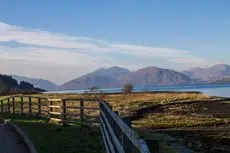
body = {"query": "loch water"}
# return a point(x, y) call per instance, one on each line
point(220, 90)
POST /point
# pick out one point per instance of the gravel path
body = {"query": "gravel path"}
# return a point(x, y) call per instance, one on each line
point(9, 143)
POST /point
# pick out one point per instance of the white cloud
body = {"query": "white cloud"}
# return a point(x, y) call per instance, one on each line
point(149, 51)
point(61, 41)
point(195, 61)
point(44, 55)
point(54, 54)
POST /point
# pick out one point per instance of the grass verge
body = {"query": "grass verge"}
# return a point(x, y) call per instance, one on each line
point(49, 137)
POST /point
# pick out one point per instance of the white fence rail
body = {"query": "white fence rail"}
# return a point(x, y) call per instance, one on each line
point(117, 134)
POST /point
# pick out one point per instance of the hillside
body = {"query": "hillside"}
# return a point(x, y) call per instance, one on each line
point(8, 85)
point(223, 80)
point(155, 76)
point(211, 74)
point(116, 77)
point(38, 83)
point(103, 78)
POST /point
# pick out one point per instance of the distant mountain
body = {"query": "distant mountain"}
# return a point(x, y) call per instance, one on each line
point(8, 85)
point(117, 76)
point(223, 80)
point(211, 74)
point(114, 71)
point(103, 78)
point(155, 76)
point(39, 83)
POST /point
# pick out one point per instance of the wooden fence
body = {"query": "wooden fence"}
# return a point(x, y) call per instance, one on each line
point(117, 134)
point(61, 110)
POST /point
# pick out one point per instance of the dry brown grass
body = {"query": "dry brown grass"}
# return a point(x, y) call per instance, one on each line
point(162, 121)
point(186, 115)
point(127, 104)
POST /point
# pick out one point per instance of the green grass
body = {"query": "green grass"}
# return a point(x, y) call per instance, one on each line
point(49, 137)
point(1, 121)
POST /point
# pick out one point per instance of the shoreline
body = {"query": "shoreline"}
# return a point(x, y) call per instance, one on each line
point(118, 93)
point(210, 90)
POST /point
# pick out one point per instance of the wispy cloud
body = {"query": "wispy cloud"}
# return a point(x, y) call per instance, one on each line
point(195, 61)
point(61, 52)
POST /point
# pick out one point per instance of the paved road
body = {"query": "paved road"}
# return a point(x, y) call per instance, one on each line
point(9, 143)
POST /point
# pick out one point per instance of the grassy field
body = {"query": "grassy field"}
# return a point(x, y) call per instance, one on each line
point(49, 137)
point(173, 118)
point(200, 122)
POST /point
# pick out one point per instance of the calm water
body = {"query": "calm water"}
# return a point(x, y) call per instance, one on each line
point(222, 90)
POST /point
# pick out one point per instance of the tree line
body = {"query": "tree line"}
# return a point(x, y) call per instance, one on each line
point(8, 85)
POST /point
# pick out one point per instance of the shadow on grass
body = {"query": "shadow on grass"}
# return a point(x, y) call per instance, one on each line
point(49, 137)
point(155, 108)
point(183, 141)
point(205, 141)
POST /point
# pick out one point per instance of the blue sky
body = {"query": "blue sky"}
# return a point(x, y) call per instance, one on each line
point(71, 38)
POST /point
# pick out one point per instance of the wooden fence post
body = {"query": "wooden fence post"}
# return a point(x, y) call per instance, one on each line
point(126, 143)
point(63, 112)
point(2, 106)
point(39, 106)
point(30, 106)
point(21, 105)
point(51, 108)
point(13, 104)
point(82, 109)
point(8, 104)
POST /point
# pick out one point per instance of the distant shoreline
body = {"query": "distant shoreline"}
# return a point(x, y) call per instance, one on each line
point(165, 88)
point(134, 92)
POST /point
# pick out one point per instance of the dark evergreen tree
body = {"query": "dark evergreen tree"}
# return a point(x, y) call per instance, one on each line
point(26, 85)
point(8, 85)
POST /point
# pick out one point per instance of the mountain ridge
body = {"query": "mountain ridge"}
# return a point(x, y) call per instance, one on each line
point(37, 82)
point(117, 76)
point(210, 74)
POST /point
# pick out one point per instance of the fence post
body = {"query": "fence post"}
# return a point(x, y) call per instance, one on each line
point(2, 106)
point(126, 143)
point(63, 112)
point(8, 104)
point(21, 105)
point(82, 109)
point(39, 106)
point(30, 106)
point(51, 108)
point(13, 104)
